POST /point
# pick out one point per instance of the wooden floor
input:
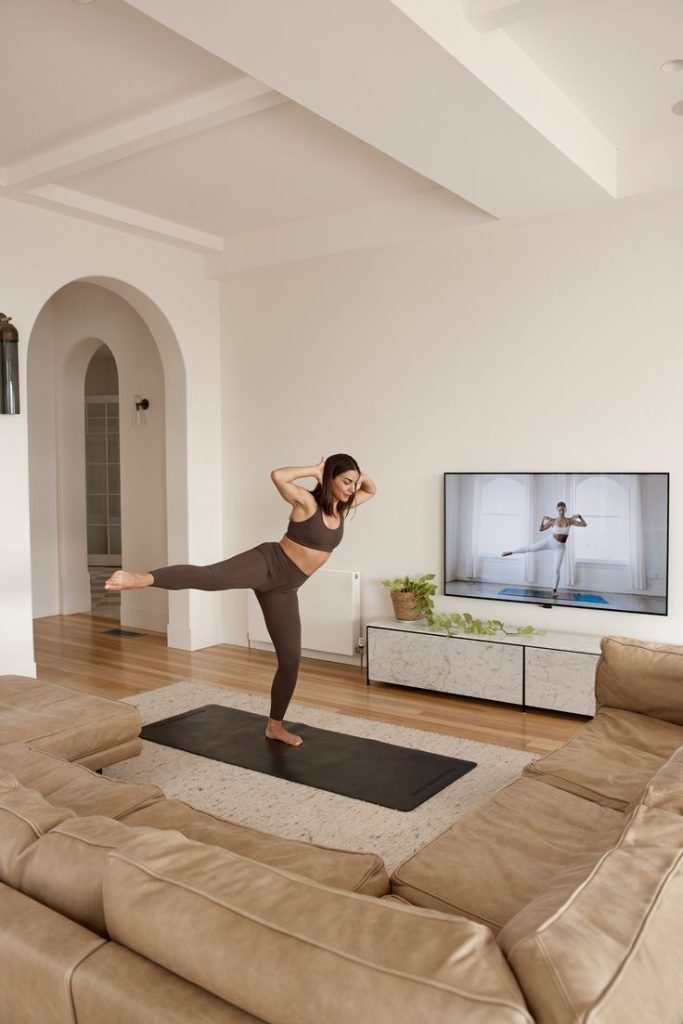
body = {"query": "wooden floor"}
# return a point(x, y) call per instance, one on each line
point(75, 650)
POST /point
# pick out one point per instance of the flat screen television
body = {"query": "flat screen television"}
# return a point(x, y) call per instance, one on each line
point(580, 540)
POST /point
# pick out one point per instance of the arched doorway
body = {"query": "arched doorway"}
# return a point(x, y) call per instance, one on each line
point(102, 479)
point(80, 329)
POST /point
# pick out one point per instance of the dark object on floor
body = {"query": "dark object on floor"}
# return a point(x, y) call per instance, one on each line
point(526, 592)
point(121, 632)
point(544, 595)
point(379, 773)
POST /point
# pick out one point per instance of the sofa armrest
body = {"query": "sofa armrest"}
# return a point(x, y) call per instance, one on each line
point(640, 676)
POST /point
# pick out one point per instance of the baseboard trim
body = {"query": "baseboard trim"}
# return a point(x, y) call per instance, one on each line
point(340, 659)
point(28, 668)
point(184, 638)
point(144, 618)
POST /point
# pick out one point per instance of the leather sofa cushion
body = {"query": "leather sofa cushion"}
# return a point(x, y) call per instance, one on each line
point(611, 759)
point(287, 949)
point(641, 676)
point(665, 789)
point(495, 859)
point(61, 721)
point(25, 816)
point(7, 780)
point(117, 986)
point(112, 755)
point(608, 949)
point(358, 872)
point(39, 951)
point(664, 792)
point(64, 869)
point(70, 785)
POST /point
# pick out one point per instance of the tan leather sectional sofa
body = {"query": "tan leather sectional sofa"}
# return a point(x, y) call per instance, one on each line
point(558, 900)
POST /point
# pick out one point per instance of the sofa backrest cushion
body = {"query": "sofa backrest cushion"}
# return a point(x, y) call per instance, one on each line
point(117, 986)
point(25, 816)
point(39, 953)
point(641, 676)
point(70, 785)
point(286, 948)
point(65, 868)
point(665, 789)
point(607, 947)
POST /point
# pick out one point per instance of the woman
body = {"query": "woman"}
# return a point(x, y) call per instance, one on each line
point(275, 571)
point(557, 542)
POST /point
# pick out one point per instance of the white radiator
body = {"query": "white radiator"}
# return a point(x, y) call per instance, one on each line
point(330, 613)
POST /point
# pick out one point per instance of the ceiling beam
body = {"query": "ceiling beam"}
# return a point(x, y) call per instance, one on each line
point(651, 165)
point(175, 121)
point(491, 14)
point(92, 208)
point(394, 222)
point(414, 78)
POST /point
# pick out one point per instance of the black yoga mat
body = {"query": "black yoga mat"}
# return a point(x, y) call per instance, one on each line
point(380, 773)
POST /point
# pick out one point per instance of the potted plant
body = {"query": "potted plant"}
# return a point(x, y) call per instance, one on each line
point(412, 599)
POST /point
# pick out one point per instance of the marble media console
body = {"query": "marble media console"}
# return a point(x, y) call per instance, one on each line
point(553, 671)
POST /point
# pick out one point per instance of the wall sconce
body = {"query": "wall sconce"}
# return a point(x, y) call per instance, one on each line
point(141, 405)
point(9, 366)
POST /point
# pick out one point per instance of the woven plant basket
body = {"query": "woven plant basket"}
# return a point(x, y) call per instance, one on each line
point(405, 606)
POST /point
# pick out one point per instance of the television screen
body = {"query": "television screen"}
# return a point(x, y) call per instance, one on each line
point(588, 540)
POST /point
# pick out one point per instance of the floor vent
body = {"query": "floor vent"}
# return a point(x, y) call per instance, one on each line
point(121, 632)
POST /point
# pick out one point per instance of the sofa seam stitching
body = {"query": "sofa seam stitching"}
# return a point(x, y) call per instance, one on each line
point(68, 977)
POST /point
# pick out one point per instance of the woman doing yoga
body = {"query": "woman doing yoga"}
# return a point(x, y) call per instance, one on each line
point(557, 542)
point(275, 571)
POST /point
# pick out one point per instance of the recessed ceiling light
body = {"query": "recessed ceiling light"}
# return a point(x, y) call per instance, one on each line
point(678, 108)
point(672, 65)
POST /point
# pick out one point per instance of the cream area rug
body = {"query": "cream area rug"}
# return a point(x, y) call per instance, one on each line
point(299, 812)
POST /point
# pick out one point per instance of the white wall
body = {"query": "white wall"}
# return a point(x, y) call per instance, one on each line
point(550, 346)
point(43, 251)
point(71, 325)
point(102, 377)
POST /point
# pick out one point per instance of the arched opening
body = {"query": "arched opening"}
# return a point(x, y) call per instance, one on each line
point(102, 479)
point(80, 332)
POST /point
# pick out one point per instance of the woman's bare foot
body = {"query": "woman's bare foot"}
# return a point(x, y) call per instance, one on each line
point(505, 554)
point(122, 580)
point(276, 731)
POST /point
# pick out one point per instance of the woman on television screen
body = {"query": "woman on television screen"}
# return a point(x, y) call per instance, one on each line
point(556, 542)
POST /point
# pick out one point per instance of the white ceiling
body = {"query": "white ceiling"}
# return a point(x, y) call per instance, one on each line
point(70, 69)
point(258, 131)
point(606, 58)
point(279, 165)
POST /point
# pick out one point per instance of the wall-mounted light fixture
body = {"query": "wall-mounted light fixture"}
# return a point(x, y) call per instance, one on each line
point(141, 405)
point(9, 366)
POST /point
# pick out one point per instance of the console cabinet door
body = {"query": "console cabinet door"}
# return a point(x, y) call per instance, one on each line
point(472, 668)
point(560, 680)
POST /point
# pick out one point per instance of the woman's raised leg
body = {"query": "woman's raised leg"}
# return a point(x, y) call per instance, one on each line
point(247, 570)
point(541, 545)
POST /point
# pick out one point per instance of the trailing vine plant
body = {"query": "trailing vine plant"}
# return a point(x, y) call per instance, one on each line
point(466, 623)
point(453, 623)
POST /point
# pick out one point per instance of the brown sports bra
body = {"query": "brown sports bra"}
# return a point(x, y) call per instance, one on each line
point(312, 532)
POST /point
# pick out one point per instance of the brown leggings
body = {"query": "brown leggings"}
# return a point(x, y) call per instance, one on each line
point(275, 580)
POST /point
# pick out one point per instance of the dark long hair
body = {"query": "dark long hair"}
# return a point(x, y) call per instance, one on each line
point(334, 465)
